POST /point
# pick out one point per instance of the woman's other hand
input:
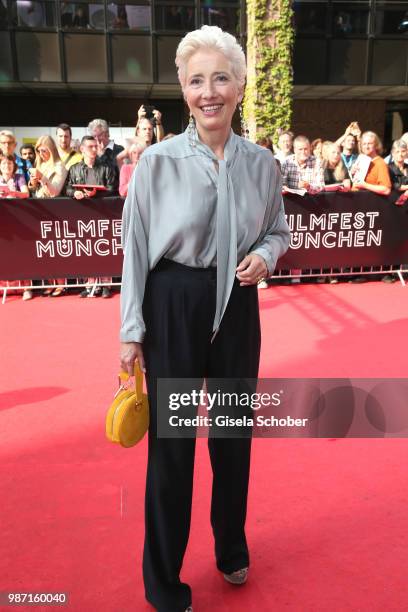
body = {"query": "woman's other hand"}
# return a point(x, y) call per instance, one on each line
point(251, 270)
point(129, 352)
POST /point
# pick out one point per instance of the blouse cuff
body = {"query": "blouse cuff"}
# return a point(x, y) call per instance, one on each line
point(135, 335)
point(267, 256)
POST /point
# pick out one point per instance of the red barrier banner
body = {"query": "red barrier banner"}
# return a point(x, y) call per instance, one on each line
point(345, 229)
point(62, 237)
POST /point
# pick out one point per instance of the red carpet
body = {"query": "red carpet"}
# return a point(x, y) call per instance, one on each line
point(327, 523)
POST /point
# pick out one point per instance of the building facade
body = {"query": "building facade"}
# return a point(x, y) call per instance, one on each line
point(71, 61)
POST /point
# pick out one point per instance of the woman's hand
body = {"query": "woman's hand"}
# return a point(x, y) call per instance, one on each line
point(129, 352)
point(251, 270)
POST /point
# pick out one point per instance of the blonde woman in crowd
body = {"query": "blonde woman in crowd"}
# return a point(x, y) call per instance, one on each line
point(48, 176)
point(46, 181)
point(334, 167)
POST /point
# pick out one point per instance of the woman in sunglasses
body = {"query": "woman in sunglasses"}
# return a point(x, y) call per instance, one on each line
point(47, 179)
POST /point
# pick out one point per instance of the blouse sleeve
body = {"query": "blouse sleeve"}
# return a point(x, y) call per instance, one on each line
point(275, 234)
point(135, 224)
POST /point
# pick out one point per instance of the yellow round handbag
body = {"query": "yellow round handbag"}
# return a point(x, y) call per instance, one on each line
point(128, 416)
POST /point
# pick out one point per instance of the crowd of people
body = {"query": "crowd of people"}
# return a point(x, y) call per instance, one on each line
point(56, 167)
point(313, 166)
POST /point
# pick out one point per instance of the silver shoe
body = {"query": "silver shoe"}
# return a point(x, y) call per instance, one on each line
point(238, 577)
point(189, 609)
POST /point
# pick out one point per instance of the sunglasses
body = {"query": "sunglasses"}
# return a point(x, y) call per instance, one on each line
point(42, 150)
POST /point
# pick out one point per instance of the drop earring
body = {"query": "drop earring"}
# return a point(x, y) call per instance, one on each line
point(244, 127)
point(191, 131)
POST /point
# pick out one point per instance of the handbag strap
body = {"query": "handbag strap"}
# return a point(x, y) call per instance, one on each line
point(138, 382)
point(124, 377)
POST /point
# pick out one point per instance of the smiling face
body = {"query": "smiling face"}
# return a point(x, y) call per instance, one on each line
point(369, 145)
point(211, 91)
point(6, 168)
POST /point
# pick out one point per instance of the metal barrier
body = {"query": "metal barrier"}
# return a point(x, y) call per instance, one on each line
point(294, 275)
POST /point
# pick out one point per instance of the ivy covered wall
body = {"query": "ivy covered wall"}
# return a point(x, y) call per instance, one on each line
point(267, 104)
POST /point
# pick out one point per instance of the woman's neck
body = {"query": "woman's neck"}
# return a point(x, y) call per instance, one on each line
point(216, 140)
point(6, 177)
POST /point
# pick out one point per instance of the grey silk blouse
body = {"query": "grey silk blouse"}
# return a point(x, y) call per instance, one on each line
point(186, 205)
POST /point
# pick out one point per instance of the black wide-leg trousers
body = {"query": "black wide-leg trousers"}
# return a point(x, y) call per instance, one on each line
point(178, 310)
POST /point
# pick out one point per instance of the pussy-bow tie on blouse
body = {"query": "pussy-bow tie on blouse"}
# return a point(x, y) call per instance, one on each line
point(226, 231)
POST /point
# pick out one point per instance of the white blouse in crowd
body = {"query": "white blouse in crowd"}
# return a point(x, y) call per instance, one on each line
point(187, 206)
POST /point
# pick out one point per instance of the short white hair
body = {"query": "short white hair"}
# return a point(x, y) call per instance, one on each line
point(211, 37)
point(98, 123)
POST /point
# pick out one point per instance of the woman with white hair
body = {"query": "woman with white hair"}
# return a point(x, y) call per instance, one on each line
point(377, 178)
point(135, 150)
point(398, 167)
point(203, 222)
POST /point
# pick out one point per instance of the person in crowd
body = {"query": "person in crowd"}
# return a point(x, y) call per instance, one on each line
point(349, 152)
point(69, 156)
point(349, 146)
point(108, 150)
point(8, 145)
point(378, 178)
point(27, 152)
point(81, 16)
point(126, 171)
point(142, 129)
point(10, 183)
point(10, 180)
point(389, 157)
point(47, 180)
point(285, 146)
point(398, 168)
point(92, 170)
point(149, 130)
point(334, 167)
point(48, 176)
point(302, 170)
point(316, 148)
point(265, 142)
point(189, 302)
